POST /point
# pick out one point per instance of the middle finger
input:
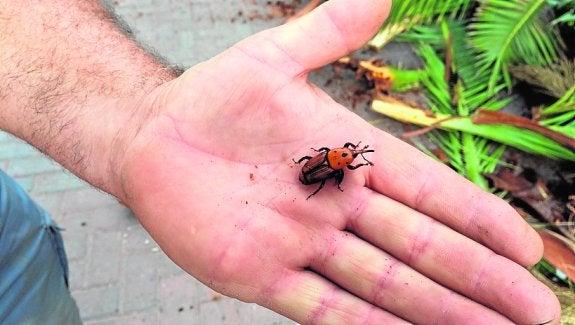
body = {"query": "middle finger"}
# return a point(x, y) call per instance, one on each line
point(385, 281)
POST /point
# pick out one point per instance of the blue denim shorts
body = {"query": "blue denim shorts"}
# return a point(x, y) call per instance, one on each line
point(33, 265)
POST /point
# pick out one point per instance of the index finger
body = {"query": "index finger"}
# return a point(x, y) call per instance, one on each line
point(439, 192)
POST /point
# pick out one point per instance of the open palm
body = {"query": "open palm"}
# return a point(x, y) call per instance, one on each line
point(210, 175)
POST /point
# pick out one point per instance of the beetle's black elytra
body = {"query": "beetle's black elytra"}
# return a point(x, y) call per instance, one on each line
point(329, 163)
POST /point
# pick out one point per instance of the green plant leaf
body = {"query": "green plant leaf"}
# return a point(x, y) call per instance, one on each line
point(509, 32)
point(564, 104)
point(408, 13)
point(568, 16)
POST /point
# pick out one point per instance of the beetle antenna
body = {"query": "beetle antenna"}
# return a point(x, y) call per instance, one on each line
point(362, 156)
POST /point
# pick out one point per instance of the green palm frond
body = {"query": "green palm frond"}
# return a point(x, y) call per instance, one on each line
point(436, 87)
point(564, 123)
point(471, 155)
point(471, 89)
point(560, 116)
point(469, 93)
point(568, 16)
point(564, 104)
point(509, 32)
point(428, 34)
point(408, 13)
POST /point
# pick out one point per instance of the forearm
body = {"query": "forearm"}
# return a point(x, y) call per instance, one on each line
point(70, 82)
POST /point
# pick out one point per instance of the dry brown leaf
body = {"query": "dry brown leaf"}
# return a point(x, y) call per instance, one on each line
point(559, 252)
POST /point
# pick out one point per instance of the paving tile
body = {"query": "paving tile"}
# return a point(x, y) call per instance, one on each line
point(17, 149)
point(6, 137)
point(218, 311)
point(139, 282)
point(51, 202)
point(33, 165)
point(166, 267)
point(135, 239)
point(112, 216)
point(98, 302)
point(77, 243)
point(150, 318)
point(76, 278)
point(57, 182)
point(82, 199)
point(179, 299)
point(104, 259)
point(26, 182)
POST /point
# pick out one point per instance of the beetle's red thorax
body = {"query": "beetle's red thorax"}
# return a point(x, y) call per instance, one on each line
point(339, 158)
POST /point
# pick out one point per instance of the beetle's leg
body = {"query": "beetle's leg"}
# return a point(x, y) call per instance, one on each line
point(319, 188)
point(301, 159)
point(352, 167)
point(339, 179)
point(368, 162)
point(326, 149)
point(353, 146)
point(349, 144)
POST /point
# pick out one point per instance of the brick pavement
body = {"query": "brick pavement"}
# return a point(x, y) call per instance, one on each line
point(118, 273)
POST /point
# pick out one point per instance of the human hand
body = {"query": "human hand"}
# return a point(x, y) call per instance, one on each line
point(210, 175)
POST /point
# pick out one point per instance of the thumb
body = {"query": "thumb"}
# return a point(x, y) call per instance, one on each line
point(329, 32)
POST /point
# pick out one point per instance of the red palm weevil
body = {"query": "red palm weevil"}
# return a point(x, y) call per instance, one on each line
point(329, 163)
